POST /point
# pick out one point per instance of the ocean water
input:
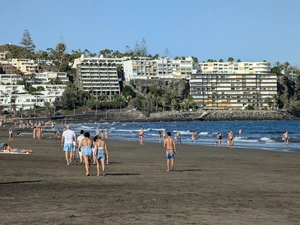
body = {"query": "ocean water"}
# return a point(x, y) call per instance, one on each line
point(265, 135)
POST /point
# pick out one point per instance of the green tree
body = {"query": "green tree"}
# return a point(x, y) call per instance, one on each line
point(239, 60)
point(128, 93)
point(27, 43)
point(106, 53)
point(221, 60)
point(230, 59)
point(40, 88)
point(195, 59)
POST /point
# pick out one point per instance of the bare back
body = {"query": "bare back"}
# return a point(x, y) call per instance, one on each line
point(169, 143)
point(86, 142)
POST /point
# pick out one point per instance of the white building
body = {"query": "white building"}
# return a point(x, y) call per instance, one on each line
point(236, 67)
point(25, 65)
point(159, 68)
point(10, 78)
point(15, 96)
point(46, 77)
point(98, 75)
point(234, 91)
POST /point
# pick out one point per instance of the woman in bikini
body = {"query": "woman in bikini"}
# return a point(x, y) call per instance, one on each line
point(87, 152)
point(8, 149)
point(101, 154)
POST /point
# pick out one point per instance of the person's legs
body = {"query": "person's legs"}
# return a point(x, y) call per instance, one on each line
point(87, 164)
point(98, 167)
point(67, 157)
point(80, 157)
point(103, 165)
point(26, 151)
point(172, 163)
point(168, 165)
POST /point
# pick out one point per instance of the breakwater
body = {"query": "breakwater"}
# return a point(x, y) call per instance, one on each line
point(136, 116)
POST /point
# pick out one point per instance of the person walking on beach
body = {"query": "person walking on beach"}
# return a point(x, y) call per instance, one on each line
point(170, 145)
point(101, 154)
point(164, 134)
point(230, 139)
point(10, 131)
point(87, 152)
point(79, 139)
point(141, 135)
point(286, 138)
point(33, 132)
point(67, 139)
point(159, 136)
point(178, 137)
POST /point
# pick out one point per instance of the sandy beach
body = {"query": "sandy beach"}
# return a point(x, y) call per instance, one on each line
point(210, 185)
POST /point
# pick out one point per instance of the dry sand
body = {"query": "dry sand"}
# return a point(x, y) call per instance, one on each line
point(210, 185)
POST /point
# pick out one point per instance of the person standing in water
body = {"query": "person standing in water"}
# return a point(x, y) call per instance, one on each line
point(220, 137)
point(230, 139)
point(170, 145)
point(141, 135)
point(286, 138)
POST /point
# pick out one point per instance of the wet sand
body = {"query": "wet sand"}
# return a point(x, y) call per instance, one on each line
point(210, 185)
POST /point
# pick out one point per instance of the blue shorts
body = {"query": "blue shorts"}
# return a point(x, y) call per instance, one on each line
point(87, 150)
point(68, 147)
point(170, 156)
point(101, 155)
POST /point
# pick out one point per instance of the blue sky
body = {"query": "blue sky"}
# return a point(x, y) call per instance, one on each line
point(248, 30)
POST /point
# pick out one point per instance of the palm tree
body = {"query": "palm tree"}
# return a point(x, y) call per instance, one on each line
point(275, 100)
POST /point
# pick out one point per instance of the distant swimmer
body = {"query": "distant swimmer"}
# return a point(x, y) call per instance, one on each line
point(240, 131)
point(286, 138)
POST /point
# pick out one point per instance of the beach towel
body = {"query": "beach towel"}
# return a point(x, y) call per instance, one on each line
point(17, 153)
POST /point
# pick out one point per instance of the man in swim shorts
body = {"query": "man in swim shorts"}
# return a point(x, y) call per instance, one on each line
point(67, 139)
point(169, 143)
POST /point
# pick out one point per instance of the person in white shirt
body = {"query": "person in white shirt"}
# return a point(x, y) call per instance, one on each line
point(79, 139)
point(67, 139)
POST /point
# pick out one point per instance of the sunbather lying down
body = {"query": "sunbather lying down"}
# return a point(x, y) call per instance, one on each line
point(8, 149)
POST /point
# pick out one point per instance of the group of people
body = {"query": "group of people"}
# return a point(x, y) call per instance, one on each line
point(230, 138)
point(37, 131)
point(86, 148)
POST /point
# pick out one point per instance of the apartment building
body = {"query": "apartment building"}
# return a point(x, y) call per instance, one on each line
point(6, 68)
point(25, 65)
point(98, 75)
point(3, 55)
point(17, 96)
point(146, 68)
point(10, 78)
point(236, 67)
point(234, 91)
point(46, 77)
